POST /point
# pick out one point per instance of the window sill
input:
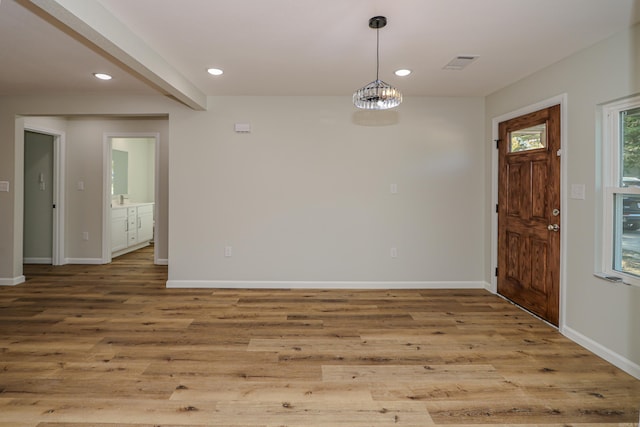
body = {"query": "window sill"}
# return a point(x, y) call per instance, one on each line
point(614, 279)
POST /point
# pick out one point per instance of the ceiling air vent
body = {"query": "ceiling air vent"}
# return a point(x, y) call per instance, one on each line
point(460, 62)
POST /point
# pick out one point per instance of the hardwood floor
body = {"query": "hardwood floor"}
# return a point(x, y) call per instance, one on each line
point(111, 346)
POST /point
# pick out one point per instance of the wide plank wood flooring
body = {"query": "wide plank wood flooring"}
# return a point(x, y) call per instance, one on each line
point(111, 346)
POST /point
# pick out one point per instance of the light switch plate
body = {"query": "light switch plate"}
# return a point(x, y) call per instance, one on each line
point(4, 186)
point(578, 191)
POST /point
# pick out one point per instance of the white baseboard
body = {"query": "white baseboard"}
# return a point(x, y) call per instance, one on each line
point(83, 261)
point(263, 284)
point(35, 260)
point(610, 356)
point(162, 261)
point(12, 282)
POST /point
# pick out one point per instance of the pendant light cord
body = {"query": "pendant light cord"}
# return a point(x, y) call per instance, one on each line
point(377, 53)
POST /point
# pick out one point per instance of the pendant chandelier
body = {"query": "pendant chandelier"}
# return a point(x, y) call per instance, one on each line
point(377, 95)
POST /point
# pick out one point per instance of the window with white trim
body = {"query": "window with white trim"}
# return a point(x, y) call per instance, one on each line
point(621, 190)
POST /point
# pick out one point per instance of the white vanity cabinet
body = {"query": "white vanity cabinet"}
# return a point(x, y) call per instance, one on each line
point(145, 223)
point(131, 227)
point(119, 226)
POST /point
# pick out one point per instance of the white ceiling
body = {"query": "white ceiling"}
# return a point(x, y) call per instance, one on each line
point(300, 47)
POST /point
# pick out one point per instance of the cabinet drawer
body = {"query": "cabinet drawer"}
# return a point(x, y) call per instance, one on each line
point(145, 209)
point(131, 211)
point(132, 238)
point(118, 213)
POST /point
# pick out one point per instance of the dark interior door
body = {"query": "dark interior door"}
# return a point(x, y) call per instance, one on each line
point(38, 198)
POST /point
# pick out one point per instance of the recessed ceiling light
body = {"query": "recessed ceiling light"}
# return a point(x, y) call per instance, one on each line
point(402, 72)
point(102, 76)
point(215, 71)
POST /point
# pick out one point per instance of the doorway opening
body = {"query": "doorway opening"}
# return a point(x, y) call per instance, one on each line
point(43, 195)
point(131, 193)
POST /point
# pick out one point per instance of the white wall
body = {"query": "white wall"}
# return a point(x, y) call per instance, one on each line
point(84, 163)
point(85, 144)
point(306, 195)
point(604, 317)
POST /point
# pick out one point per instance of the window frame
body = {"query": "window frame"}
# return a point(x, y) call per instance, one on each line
point(612, 167)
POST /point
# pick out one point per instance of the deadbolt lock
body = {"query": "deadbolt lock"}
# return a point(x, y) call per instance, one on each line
point(555, 212)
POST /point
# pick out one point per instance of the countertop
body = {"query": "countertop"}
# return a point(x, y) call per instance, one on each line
point(129, 205)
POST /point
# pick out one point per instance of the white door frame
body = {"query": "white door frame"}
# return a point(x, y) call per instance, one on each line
point(59, 160)
point(562, 100)
point(106, 186)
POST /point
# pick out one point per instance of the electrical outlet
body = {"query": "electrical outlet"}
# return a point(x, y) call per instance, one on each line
point(228, 251)
point(393, 188)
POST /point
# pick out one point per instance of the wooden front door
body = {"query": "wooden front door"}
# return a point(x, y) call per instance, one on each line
point(529, 212)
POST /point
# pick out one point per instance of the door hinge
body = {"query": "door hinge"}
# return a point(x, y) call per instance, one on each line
point(496, 271)
point(497, 141)
point(54, 206)
point(496, 208)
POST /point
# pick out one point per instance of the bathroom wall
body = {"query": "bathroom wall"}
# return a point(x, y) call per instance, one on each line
point(141, 171)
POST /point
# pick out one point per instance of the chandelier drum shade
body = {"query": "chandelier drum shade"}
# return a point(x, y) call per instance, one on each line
point(377, 95)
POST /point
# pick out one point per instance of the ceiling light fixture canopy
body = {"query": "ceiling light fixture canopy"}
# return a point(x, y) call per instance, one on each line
point(377, 95)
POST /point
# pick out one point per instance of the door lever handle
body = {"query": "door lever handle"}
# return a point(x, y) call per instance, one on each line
point(553, 227)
